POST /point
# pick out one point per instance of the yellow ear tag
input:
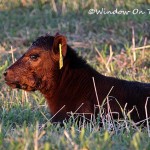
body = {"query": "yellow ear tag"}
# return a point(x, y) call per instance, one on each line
point(60, 57)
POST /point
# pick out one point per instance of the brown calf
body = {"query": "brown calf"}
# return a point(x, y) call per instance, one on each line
point(72, 85)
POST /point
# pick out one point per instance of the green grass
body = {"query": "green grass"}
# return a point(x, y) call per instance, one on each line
point(25, 118)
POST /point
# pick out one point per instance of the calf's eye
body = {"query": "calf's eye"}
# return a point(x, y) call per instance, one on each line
point(34, 57)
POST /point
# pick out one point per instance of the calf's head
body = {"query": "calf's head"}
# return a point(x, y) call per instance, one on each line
point(37, 65)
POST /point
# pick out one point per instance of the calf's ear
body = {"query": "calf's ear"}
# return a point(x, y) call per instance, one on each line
point(60, 39)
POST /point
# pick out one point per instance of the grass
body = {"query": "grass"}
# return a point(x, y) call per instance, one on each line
point(107, 43)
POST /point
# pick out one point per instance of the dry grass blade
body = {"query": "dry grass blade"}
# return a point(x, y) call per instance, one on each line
point(54, 6)
point(133, 44)
point(36, 137)
point(52, 117)
point(143, 50)
point(70, 140)
point(147, 121)
point(110, 58)
point(143, 47)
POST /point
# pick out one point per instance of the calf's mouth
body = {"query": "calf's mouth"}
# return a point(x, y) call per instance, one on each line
point(27, 83)
point(20, 86)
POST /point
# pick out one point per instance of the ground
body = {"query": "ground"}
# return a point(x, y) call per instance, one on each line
point(106, 41)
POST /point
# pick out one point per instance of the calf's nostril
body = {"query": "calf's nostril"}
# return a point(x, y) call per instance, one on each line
point(5, 73)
